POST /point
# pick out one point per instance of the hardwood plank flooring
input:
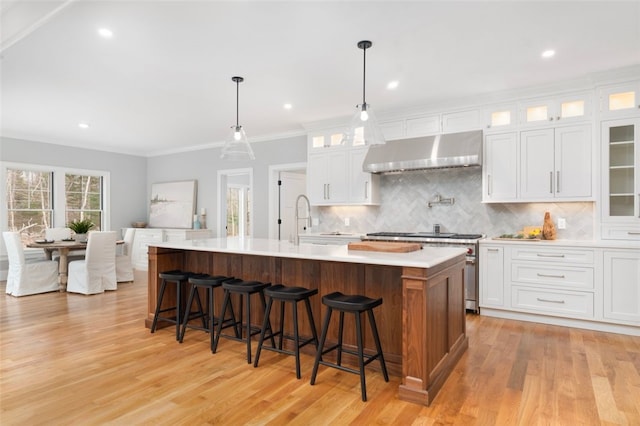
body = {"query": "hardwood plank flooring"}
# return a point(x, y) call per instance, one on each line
point(73, 359)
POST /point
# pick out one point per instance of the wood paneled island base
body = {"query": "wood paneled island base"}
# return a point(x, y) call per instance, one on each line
point(421, 321)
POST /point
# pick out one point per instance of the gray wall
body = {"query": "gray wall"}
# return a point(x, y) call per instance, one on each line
point(127, 173)
point(203, 166)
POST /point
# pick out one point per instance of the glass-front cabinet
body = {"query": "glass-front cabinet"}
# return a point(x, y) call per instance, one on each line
point(620, 179)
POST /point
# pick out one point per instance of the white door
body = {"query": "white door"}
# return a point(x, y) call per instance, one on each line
point(291, 185)
point(573, 161)
point(500, 167)
point(537, 164)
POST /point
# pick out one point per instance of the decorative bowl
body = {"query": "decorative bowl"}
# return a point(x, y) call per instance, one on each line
point(139, 224)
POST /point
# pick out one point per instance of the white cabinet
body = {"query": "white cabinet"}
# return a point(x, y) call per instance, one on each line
point(622, 285)
point(621, 179)
point(500, 168)
point(432, 124)
point(556, 164)
point(491, 276)
point(620, 100)
point(335, 176)
point(461, 121)
point(327, 176)
point(363, 186)
point(144, 237)
point(579, 284)
point(422, 126)
point(559, 110)
point(499, 118)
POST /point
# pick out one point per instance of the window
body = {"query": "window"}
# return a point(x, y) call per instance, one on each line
point(39, 197)
point(238, 211)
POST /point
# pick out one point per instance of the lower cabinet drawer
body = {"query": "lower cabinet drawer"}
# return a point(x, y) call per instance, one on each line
point(621, 232)
point(565, 276)
point(566, 303)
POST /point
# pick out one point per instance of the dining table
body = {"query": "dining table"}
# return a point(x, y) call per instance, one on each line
point(63, 247)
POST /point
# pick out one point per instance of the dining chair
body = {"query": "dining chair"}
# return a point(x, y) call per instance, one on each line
point(31, 276)
point(97, 272)
point(59, 234)
point(124, 267)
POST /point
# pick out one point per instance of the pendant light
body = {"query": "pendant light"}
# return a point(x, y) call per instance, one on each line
point(364, 129)
point(237, 147)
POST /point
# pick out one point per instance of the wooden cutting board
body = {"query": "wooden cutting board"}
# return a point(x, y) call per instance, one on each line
point(385, 246)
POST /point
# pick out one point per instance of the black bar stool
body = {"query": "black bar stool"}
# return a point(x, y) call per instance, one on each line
point(294, 295)
point(245, 289)
point(209, 320)
point(355, 304)
point(172, 277)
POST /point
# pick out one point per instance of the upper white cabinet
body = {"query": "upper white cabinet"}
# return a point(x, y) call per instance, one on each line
point(461, 121)
point(363, 186)
point(326, 177)
point(621, 179)
point(322, 141)
point(499, 118)
point(431, 124)
point(334, 172)
point(557, 110)
point(620, 100)
point(556, 164)
point(500, 169)
point(422, 126)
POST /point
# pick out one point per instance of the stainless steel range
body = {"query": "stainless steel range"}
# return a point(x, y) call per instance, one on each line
point(437, 239)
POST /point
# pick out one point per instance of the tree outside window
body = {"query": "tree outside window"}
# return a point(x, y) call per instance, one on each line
point(83, 195)
point(29, 202)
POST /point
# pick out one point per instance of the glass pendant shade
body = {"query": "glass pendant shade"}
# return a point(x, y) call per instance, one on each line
point(236, 146)
point(364, 128)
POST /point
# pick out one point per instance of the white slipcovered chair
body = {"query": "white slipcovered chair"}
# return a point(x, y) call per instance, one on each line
point(97, 272)
point(124, 267)
point(57, 234)
point(31, 276)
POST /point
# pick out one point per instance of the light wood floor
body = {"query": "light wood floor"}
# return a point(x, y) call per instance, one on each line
point(73, 359)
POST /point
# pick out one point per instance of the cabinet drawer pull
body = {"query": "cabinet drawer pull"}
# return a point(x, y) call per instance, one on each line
point(549, 255)
point(633, 233)
point(493, 249)
point(551, 182)
point(550, 275)
point(549, 300)
point(558, 181)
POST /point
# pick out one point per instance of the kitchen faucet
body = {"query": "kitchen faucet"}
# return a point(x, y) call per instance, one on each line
point(296, 240)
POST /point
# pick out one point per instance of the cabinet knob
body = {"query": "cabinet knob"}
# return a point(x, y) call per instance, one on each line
point(558, 118)
point(550, 118)
point(489, 125)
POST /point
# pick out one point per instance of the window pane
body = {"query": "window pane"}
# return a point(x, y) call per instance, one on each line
point(83, 195)
point(29, 201)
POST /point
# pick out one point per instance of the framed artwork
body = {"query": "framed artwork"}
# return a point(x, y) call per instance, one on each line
point(172, 204)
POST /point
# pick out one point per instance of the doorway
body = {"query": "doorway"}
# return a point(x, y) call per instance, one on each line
point(235, 203)
point(286, 182)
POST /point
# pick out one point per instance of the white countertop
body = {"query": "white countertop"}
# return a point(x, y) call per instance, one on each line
point(424, 258)
point(622, 244)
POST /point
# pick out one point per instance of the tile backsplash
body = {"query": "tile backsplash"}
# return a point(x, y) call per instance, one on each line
point(404, 207)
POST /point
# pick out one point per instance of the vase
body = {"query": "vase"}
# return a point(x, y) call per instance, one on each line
point(81, 238)
point(548, 228)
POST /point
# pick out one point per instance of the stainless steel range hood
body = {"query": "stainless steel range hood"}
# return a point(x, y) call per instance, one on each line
point(429, 152)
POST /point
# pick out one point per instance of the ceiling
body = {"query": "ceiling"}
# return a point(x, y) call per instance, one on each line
point(162, 83)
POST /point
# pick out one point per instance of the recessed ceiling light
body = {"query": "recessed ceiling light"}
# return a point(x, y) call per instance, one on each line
point(548, 53)
point(83, 125)
point(393, 84)
point(287, 106)
point(105, 32)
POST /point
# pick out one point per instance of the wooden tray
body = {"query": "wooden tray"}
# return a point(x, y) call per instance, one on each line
point(385, 246)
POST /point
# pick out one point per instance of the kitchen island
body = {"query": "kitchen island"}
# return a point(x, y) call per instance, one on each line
point(421, 321)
